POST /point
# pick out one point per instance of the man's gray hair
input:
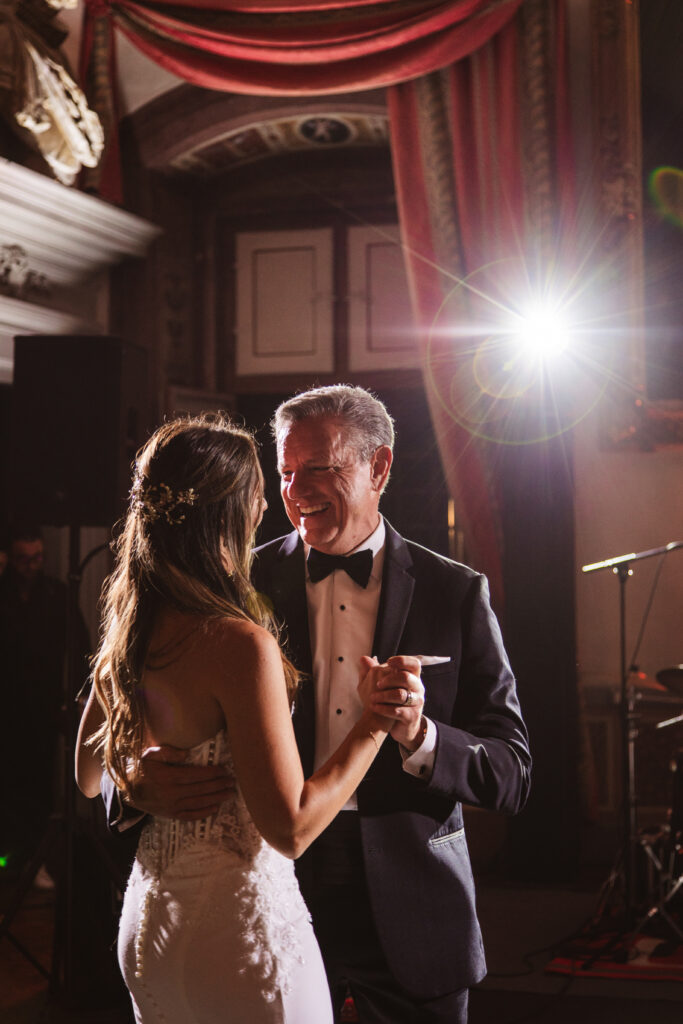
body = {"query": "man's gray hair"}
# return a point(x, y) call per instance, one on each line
point(365, 416)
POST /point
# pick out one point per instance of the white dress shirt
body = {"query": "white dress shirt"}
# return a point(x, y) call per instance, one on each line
point(342, 616)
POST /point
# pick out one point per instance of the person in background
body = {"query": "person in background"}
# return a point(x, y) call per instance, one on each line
point(33, 639)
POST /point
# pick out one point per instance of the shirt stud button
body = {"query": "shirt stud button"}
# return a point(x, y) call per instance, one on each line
point(339, 711)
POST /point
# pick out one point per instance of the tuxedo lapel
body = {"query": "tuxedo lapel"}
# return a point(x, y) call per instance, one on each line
point(286, 587)
point(287, 591)
point(398, 585)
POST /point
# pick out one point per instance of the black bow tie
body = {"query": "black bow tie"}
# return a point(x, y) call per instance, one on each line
point(358, 566)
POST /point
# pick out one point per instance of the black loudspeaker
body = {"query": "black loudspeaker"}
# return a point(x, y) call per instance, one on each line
point(79, 412)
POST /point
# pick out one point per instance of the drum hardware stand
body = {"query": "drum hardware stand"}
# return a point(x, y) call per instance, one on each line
point(667, 864)
point(674, 885)
point(626, 862)
point(62, 828)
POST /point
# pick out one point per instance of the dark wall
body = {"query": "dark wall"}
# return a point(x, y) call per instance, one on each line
point(661, 33)
point(539, 573)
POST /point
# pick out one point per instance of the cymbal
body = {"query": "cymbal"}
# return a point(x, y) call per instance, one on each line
point(672, 678)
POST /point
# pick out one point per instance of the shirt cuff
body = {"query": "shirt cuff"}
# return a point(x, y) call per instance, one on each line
point(127, 816)
point(421, 761)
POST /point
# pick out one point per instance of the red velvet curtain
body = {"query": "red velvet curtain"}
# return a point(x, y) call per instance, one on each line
point(285, 47)
point(478, 146)
point(483, 178)
point(276, 47)
point(452, 133)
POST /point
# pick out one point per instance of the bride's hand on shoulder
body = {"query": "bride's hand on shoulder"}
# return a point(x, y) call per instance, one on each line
point(167, 787)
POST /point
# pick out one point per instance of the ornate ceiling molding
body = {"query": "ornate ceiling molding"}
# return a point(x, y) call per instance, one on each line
point(201, 133)
point(17, 317)
point(55, 244)
point(245, 145)
point(67, 236)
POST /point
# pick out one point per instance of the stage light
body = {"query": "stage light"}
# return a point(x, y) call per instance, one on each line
point(514, 359)
point(542, 333)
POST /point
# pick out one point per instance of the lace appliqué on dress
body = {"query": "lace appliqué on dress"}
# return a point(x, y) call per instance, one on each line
point(271, 910)
point(270, 904)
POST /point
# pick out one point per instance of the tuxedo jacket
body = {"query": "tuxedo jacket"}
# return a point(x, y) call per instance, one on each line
point(415, 851)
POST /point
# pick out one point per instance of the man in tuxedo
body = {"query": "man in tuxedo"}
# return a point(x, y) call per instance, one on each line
point(389, 883)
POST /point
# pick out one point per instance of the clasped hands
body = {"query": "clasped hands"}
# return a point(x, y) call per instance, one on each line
point(395, 691)
point(168, 787)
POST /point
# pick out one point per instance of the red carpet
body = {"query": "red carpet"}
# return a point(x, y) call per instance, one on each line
point(641, 958)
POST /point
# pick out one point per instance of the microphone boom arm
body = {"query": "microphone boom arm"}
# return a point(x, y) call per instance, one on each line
point(610, 563)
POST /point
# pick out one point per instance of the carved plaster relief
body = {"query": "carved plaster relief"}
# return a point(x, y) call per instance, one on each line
point(56, 246)
point(17, 279)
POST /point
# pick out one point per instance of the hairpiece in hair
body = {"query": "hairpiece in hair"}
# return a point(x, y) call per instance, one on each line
point(159, 501)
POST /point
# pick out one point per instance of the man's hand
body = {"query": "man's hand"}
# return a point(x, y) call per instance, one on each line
point(167, 787)
point(399, 695)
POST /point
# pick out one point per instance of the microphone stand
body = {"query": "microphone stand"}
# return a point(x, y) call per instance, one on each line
point(621, 567)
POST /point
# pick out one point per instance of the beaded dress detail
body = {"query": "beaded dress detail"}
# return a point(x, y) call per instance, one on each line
point(213, 926)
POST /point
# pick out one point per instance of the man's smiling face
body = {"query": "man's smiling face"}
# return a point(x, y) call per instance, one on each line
point(331, 497)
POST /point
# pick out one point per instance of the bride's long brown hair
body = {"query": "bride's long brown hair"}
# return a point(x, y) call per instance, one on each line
point(197, 481)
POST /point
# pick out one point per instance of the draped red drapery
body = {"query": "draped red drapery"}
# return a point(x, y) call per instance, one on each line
point(483, 171)
point(281, 47)
point(451, 133)
point(458, 108)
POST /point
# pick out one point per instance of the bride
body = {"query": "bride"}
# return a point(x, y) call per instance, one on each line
point(213, 928)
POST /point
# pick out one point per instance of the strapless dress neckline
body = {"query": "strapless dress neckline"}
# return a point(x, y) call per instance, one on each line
point(209, 751)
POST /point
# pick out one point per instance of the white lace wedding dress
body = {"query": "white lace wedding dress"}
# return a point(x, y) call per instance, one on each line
point(214, 929)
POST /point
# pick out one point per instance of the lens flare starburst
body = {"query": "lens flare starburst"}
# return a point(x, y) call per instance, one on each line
point(513, 363)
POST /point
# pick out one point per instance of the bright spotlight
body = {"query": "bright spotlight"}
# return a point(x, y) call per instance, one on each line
point(542, 333)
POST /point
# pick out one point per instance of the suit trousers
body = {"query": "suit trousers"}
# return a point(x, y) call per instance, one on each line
point(339, 902)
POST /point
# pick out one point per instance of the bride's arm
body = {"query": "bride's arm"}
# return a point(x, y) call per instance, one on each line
point(288, 810)
point(89, 761)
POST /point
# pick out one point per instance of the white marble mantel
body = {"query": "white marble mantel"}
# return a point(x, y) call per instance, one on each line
point(69, 241)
